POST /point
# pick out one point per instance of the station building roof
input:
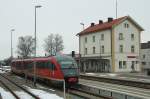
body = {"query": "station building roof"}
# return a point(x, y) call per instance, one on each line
point(107, 25)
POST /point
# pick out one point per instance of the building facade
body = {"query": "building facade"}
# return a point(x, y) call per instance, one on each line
point(145, 56)
point(111, 46)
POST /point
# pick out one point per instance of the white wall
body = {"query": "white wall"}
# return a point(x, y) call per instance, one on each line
point(127, 43)
point(98, 42)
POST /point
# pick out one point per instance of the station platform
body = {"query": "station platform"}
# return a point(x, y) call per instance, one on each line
point(116, 91)
point(139, 77)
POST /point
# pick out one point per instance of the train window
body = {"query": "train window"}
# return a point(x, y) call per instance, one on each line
point(51, 66)
point(13, 64)
point(68, 64)
point(30, 65)
point(18, 65)
point(25, 65)
point(41, 64)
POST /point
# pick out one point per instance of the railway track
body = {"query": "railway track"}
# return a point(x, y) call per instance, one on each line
point(86, 94)
point(132, 83)
point(11, 85)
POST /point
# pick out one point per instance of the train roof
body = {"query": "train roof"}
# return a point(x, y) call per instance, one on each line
point(63, 57)
point(32, 59)
point(58, 57)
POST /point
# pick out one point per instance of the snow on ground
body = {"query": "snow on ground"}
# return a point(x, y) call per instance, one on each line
point(43, 94)
point(102, 75)
point(112, 74)
point(5, 68)
point(23, 95)
point(45, 88)
point(90, 73)
point(2, 71)
point(5, 94)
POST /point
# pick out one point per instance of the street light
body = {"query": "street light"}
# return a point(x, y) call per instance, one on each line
point(82, 25)
point(11, 43)
point(37, 6)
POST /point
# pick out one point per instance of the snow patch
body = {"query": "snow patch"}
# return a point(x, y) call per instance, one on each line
point(102, 75)
point(5, 94)
point(43, 94)
point(2, 71)
point(45, 88)
point(112, 74)
point(90, 73)
point(23, 95)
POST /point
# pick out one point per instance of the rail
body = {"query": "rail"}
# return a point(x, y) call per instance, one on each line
point(132, 83)
point(77, 90)
point(11, 91)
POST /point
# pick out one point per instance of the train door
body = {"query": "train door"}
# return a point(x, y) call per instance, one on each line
point(52, 69)
point(53, 72)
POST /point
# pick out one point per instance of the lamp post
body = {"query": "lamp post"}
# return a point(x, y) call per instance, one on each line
point(79, 51)
point(37, 6)
point(82, 25)
point(11, 43)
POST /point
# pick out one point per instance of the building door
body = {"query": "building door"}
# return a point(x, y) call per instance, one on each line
point(133, 66)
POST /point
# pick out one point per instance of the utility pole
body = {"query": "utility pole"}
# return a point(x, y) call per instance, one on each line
point(38, 6)
point(11, 43)
point(116, 9)
point(79, 51)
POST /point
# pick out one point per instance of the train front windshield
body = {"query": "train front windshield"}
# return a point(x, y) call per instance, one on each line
point(68, 66)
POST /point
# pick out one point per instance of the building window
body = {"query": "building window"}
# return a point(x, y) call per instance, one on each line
point(85, 39)
point(143, 63)
point(144, 56)
point(126, 25)
point(132, 49)
point(85, 50)
point(93, 50)
point(120, 36)
point(93, 38)
point(121, 48)
point(132, 36)
point(102, 37)
point(124, 65)
point(120, 64)
point(103, 49)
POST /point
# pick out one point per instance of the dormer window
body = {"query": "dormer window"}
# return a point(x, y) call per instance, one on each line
point(126, 25)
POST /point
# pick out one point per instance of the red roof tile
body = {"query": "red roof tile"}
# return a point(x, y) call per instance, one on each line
point(100, 27)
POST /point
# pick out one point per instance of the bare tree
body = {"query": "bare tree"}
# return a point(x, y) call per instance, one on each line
point(25, 47)
point(53, 44)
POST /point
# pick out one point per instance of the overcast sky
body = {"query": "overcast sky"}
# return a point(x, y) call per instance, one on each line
point(63, 17)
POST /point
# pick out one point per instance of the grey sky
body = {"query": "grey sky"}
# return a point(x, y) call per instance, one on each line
point(63, 17)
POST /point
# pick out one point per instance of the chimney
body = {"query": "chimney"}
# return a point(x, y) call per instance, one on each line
point(92, 24)
point(110, 19)
point(100, 21)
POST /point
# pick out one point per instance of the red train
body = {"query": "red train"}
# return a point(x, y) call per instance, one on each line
point(54, 68)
